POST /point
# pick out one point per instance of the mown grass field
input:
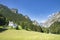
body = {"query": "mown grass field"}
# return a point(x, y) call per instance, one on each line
point(27, 35)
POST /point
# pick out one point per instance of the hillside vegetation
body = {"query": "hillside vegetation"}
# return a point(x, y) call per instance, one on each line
point(18, 18)
point(11, 16)
point(55, 28)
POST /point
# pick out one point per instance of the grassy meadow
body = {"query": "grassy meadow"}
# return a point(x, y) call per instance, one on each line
point(27, 35)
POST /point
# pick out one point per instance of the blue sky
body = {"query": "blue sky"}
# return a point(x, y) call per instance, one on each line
point(36, 9)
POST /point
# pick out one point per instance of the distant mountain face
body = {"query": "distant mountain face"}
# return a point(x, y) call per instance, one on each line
point(53, 18)
point(11, 16)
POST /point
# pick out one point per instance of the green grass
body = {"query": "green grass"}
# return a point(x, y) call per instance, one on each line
point(27, 35)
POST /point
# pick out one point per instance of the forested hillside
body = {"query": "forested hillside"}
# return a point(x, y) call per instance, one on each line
point(15, 17)
point(55, 28)
point(18, 18)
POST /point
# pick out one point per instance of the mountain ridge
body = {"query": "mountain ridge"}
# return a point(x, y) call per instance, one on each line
point(53, 18)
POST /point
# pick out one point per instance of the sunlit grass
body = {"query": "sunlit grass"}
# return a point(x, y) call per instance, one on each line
point(27, 35)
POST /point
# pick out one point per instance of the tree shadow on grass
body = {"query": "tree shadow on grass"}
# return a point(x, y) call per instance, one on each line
point(2, 29)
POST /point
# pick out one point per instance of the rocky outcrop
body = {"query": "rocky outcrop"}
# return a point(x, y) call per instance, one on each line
point(53, 18)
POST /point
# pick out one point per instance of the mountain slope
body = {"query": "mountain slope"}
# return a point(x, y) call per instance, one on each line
point(19, 19)
point(55, 17)
point(55, 28)
point(15, 17)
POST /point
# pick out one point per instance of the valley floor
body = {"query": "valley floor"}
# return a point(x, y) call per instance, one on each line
point(27, 35)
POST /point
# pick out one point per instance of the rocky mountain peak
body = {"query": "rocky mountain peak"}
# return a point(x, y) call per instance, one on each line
point(53, 18)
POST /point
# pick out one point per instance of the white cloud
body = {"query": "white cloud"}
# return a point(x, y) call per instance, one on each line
point(49, 15)
point(53, 13)
point(43, 21)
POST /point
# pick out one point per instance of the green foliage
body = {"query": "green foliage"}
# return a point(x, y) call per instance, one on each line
point(37, 28)
point(45, 30)
point(19, 27)
point(55, 28)
point(2, 20)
